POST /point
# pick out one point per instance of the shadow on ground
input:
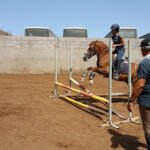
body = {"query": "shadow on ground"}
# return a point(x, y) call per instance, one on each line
point(128, 142)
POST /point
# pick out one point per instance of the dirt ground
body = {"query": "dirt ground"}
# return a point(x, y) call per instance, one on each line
point(32, 120)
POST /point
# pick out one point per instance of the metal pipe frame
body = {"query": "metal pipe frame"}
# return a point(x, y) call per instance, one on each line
point(110, 84)
point(130, 118)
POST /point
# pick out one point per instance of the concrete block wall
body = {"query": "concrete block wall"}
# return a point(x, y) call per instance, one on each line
point(36, 55)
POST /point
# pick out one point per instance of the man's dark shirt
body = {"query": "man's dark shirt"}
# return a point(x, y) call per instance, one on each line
point(144, 72)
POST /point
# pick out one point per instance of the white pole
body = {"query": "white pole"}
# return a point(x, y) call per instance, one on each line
point(70, 67)
point(129, 74)
point(129, 70)
point(56, 65)
point(130, 83)
point(110, 80)
point(110, 85)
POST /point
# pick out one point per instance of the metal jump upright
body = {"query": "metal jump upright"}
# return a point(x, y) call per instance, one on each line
point(130, 118)
point(110, 94)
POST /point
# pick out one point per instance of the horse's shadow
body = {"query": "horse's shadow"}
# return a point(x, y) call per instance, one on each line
point(127, 142)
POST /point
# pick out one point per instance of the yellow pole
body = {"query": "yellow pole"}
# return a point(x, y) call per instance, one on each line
point(83, 93)
point(75, 102)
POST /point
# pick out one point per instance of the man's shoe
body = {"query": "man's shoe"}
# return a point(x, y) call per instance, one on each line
point(116, 76)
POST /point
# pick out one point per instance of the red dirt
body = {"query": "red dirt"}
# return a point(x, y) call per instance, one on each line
point(32, 120)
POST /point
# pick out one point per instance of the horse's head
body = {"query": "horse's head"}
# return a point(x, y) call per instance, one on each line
point(95, 48)
point(91, 51)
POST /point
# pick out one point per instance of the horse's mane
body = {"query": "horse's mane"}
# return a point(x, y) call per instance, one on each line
point(105, 46)
point(93, 42)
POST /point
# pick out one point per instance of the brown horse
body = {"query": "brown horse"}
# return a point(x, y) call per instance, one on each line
point(100, 49)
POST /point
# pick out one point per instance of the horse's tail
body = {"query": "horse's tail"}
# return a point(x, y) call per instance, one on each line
point(134, 72)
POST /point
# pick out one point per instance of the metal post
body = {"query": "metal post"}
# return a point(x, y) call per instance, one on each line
point(110, 85)
point(110, 80)
point(56, 65)
point(129, 74)
point(129, 70)
point(130, 117)
point(70, 68)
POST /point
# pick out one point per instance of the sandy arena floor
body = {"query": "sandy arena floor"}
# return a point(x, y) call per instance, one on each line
point(31, 120)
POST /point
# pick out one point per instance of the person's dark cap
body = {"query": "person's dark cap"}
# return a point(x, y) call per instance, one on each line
point(145, 44)
point(114, 27)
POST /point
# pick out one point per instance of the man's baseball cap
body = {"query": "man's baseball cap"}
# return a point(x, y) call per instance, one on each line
point(145, 44)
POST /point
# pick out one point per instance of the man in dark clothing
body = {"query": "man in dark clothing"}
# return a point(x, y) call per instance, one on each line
point(118, 44)
point(141, 90)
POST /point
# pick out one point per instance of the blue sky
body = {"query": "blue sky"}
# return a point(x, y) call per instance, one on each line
point(95, 15)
